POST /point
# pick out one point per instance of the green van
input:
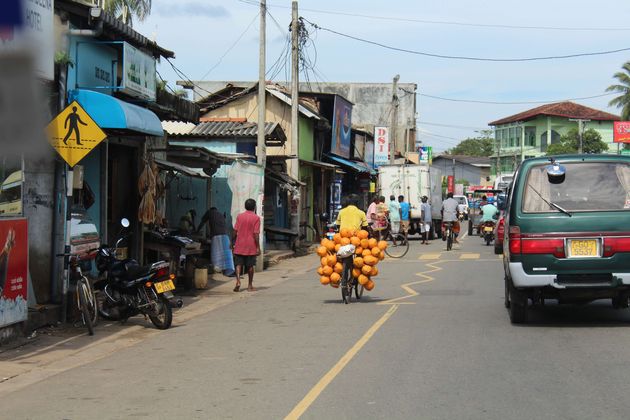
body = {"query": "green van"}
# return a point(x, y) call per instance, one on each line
point(567, 232)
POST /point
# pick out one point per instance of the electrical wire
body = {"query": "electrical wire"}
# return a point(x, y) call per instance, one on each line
point(468, 58)
point(474, 101)
point(231, 47)
point(449, 23)
point(461, 127)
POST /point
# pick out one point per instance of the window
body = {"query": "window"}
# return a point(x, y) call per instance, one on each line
point(555, 138)
point(530, 136)
point(11, 177)
point(588, 186)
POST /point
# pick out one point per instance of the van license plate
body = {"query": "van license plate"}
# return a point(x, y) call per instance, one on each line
point(579, 248)
point(164, 286)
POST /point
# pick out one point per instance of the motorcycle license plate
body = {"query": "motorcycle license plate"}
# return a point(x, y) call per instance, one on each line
point(164, 286)
point(488, 229)
point(583, 248)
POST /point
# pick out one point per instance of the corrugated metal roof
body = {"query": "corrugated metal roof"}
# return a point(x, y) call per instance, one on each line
point(287, 100)
point(177, 127)
point(232, 129)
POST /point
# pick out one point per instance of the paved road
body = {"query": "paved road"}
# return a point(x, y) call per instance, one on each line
point(439, 347)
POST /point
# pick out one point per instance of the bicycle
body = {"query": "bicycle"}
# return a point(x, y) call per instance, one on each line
point(85, 296)
point(349, 282)
point(449, 235)
point(397, 243)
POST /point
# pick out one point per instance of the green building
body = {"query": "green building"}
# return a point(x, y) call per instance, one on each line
point(529, 133)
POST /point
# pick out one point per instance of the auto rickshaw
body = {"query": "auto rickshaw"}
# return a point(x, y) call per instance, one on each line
point(474, 211)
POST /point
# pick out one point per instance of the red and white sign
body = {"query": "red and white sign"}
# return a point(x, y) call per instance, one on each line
point(13, 271)
point(450, 184)
point(621, 132)
point(381, 146)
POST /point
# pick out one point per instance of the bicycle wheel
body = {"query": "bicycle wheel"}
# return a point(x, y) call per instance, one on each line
point(397, 246)
point(83, 301)
point(449, 240)
point(358, 290)
point(346, 284)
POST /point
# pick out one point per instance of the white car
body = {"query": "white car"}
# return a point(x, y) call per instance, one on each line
point(462, 207)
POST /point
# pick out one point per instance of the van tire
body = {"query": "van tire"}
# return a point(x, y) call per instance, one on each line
point(517, 302)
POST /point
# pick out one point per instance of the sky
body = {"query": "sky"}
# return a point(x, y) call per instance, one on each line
point(218, 40)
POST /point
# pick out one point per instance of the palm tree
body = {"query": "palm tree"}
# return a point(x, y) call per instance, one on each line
point(622, 101)
point(124, 10)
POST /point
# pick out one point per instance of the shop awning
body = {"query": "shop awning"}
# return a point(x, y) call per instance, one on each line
point(360, 167)
point(319, 164)
point(111, 113)
point(282, 178)
point(195, 172)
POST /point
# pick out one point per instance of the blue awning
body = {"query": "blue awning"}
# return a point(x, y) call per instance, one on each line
point(360, 167)
point(109, 112)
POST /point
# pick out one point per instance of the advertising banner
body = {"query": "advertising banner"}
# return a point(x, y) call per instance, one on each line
point(621, 132)
point(426, 154)
point(341, 128)
point(450, 184)
point(369, 153)
point(381, 146)
point(139, 73)
point(459, 189)
point(13, 271)
point(31, 32)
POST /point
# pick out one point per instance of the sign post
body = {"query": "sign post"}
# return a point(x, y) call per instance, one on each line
point(381, 146)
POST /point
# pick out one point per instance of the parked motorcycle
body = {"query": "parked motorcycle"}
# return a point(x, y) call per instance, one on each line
point(129, 289)
point(487, 231)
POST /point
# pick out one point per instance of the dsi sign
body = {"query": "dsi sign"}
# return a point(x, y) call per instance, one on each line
point(138, 73)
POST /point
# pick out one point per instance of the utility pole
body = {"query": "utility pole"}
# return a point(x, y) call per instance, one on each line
point(295, 103)
point(580, 122)
point(261, 153)
point(392, 136)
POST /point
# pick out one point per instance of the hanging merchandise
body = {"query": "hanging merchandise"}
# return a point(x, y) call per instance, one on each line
point(147, 188)
point(244, 180)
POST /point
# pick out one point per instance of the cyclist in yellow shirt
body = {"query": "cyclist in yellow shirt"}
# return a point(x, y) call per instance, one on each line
point(351, 217)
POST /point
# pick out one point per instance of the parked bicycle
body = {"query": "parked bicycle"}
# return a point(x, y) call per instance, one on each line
point(84, 293)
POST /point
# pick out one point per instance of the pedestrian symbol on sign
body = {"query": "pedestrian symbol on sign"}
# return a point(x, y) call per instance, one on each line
point(73, 118)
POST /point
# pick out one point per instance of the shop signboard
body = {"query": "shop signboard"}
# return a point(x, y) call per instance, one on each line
point(32, 32)
point(73, 133)
point(13, 271)
point(381, 146)
point(341, 128)
point(621, 131)
point(138, 73)
point(94, 67)
point(425, 154)
point(450, 184)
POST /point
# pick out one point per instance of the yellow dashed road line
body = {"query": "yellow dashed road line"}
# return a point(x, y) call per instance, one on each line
point(469, 256)
point(430, 256)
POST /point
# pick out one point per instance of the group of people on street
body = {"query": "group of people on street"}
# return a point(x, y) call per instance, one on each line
point(240, 257)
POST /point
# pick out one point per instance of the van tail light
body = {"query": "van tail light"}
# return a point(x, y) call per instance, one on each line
point(615, 245)
point(553, 246)
point(520, 245)
point(514, 237)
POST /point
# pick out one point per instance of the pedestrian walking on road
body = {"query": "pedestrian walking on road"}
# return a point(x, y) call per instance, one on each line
point(425, 220)
point(394, 214)
point(246, 243)
point(405, 208)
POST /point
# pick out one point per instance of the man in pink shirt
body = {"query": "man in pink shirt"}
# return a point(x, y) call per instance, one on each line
point(246, 243)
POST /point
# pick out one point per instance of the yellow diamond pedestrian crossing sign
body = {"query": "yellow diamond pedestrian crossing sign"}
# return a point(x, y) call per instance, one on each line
point(73, 133)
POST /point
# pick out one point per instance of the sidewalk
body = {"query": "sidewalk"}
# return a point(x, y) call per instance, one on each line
point(53, 350)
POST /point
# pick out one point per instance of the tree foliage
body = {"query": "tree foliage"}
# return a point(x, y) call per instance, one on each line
point(477, 146)
point(569, 143)
point(623, 88)
point(125, 10)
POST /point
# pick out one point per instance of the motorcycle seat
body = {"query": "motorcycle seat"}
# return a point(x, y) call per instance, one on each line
point(135, 271)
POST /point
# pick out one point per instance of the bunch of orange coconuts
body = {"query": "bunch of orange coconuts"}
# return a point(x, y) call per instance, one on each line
point(368, 252)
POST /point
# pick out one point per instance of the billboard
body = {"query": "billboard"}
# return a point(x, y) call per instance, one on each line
point(369, 153)
point(450, 184)
point(425, 154)
point(13, 271)
point(621, 132)
point(341, 128)
point(381, 146)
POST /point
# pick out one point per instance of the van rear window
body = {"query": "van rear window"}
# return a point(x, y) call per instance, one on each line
point(588, 186)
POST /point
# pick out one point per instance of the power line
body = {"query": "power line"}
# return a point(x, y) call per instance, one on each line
point(474, 101)
point(231, 47)
point(444, 22)
point(461, 127)
point(460, 57)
